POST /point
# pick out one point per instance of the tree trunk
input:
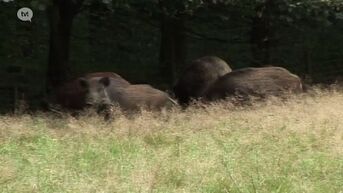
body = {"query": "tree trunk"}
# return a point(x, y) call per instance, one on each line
point(260, 35)
point(173, 47)
point(97, 16)
point(61, 14)
point(306, 60)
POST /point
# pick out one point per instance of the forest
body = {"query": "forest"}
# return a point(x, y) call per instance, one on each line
point(151, 41)
point(279, 129)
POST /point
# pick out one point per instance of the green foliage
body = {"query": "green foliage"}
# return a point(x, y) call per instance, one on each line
point(124, 36)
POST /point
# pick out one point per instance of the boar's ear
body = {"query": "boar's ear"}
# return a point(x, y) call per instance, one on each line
point(83, 83)
point(105, 81)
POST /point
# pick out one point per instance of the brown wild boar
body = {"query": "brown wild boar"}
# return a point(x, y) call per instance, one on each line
point(258, 82)
point(106, 91)
point(71, 95)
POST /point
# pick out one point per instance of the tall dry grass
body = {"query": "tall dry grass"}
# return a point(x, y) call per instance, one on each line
point(273, 146)
point(316, 113)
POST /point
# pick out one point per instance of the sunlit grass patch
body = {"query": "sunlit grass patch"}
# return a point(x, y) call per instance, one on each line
point(274, 146)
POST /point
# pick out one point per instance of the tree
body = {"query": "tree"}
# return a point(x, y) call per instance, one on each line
point(61, 15)
point(261, 33)
point(173, 46)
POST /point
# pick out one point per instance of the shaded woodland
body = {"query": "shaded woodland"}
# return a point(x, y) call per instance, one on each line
point(151, 41)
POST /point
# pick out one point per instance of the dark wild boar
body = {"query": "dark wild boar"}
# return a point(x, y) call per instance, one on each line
point(198, 76)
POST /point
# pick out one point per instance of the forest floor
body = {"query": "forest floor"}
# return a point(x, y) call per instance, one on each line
point(274, 146)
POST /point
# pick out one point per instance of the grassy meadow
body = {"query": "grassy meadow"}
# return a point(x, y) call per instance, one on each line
point(293, 146)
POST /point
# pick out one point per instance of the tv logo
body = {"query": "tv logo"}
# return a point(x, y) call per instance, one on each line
point(25, 14)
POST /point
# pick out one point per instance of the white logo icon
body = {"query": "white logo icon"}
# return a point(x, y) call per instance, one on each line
point(25, 14)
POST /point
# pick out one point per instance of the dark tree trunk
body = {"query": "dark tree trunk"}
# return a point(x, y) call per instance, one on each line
point(61, 15)
point(260, 35)
point(96, 17)
point(306, 61)
point(173, 47)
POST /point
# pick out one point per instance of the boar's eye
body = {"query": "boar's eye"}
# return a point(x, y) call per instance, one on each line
point(105, 81)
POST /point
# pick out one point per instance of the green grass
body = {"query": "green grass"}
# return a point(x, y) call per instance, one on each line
point(273, 147)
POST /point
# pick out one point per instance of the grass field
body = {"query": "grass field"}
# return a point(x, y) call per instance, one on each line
point(271, 147)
